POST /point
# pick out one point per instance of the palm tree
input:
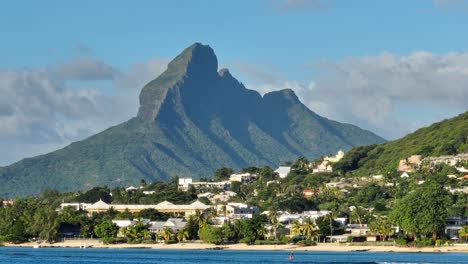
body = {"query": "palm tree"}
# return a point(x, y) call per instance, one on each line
point(273, 218)
point(464, 232)
point(359, 214)
point(309, 229)
point(203, 222)
point(276, 225)
point(296, 228)
point(131, 233)
point(145, 234)
point(224, 209)
point(262, 232)
point(198, 216)
point(182, 235)
point(166, 233)
point(213, 212)
point(382, 227)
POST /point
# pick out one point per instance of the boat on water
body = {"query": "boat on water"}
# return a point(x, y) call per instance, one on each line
point(36, 246)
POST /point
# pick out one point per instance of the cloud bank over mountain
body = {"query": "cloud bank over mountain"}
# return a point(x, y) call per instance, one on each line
point(43, 109)
point(374, 91)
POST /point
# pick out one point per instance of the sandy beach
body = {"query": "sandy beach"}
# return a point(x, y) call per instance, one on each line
point(204, 246)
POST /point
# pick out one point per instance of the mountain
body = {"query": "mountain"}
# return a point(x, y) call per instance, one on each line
point(192, 120)
point(447, 137)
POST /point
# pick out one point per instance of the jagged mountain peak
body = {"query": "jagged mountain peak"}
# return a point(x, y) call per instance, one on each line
point(282, 97)
point(197, 58)
point(192, 120)
point(224, 72)
point(195, 62)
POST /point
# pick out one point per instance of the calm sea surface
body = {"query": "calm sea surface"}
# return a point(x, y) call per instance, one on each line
point(114, 256)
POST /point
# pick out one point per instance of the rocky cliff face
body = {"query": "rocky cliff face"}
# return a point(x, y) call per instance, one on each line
point(192, 120)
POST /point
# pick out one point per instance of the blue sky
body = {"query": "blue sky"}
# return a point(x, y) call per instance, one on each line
point(73, 68)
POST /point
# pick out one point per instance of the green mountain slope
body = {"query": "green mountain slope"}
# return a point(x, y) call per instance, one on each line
point(193, 119)
point(447, 137)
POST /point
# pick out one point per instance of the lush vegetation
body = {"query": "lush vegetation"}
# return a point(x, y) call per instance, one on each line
point(419, 209)
point(447, 137)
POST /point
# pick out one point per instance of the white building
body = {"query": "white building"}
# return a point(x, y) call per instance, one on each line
point(184, 183)
point(323, 167)
point(288, 218)
point(335, 158)
point(236, 210)
point(243, 177)
point(223, 185)
point(164, 207)
point(222, 197)
point(283, 171)
point(338, 185)
point(175, 224)
point(77, 206)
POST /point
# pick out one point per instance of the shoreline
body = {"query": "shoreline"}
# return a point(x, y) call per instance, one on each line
point(327, 247)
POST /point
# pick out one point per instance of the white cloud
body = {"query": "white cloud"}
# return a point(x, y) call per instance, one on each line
point(141, 73)
point(372, 91)
point(41, 111)
point(86, 69)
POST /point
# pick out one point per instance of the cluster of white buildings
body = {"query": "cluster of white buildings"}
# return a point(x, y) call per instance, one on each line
point(325, 166)
point(163, 207)
point(174, 224)
point(412, 163)
point(221, 197)
point(185, 183)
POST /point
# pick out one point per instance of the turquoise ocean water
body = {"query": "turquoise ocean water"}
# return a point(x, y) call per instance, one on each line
point(114, 256)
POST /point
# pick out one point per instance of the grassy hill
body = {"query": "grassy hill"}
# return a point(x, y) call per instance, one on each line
point(447, 137)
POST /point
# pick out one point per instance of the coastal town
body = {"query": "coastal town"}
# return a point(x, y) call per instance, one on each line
point(232, 207)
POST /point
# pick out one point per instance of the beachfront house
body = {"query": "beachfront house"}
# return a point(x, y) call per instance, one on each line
point(175, 224)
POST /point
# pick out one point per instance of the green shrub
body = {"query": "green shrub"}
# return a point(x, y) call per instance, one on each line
point(401, 240)
point(269, 242)
point(296, 239)
point(247, 240)
point(306, 243)
point(168, 242)
point(285, 239)
point(134, 241)
point(113, 240)
point(349, 239)
point(424, 242)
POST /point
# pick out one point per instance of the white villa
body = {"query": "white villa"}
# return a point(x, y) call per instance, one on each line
point(325, 166)
point(185, 183)
point(243, 177)
point(224, 185)
point(288, 218)
point(173, 223)
point(283, 171)
point(236, 210)
point(335, 158)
